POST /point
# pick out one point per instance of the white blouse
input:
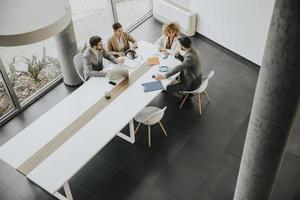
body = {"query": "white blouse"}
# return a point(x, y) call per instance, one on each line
point(175, 48)
point(120, 43)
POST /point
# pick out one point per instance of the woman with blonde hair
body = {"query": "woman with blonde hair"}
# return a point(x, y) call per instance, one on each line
point(168, 43)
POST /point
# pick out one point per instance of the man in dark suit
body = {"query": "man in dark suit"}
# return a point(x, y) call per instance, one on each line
point(93, 58)
point(190, 76)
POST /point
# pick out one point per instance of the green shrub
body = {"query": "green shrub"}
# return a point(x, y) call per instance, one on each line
point(12, 74)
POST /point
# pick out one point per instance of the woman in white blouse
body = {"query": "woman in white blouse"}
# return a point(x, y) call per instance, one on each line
point(168, 43)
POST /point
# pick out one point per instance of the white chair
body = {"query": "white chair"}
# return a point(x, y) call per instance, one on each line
point(150, 116)
point(199, 91)
point(78, 63)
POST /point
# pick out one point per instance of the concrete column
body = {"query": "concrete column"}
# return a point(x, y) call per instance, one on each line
point(275, 105)
point(67, 48)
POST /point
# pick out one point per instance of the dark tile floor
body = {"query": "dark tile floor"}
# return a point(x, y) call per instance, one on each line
point(199, 160)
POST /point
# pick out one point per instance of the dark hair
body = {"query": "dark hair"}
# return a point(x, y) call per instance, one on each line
point(185, 42)
point(116, 26)
point(94, 40)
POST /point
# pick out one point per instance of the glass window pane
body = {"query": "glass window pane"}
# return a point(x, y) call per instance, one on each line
point(31, 68)
point(6, 105)
point(91, 17)
point(131, 11)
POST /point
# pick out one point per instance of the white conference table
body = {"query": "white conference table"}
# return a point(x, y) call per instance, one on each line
point(55, 170)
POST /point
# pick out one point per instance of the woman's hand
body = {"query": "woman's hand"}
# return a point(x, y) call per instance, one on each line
point(135, 46)
point(159, 77)
point(120, 60)
point(120, 54)
point(163, 50)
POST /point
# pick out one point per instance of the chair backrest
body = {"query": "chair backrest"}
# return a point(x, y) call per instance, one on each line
point(204, 84)
point(78, 63)
point(156, 117)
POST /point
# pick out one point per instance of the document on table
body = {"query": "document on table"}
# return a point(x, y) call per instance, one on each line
point(152, 86)
point(131, 63)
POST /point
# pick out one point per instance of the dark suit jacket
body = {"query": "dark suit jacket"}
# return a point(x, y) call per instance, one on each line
point(190, 70)
point(93, 64)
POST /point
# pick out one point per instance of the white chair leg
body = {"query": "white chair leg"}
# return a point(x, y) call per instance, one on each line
point(207, 96)
point(162, 127)
point(199, 101)
point(184, 99)
point(137, 128)
point(68, 191)
point(149, 136)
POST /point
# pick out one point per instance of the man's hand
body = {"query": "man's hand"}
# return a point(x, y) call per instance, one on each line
point(120, 60)
point(159, 77)
point(105, 72)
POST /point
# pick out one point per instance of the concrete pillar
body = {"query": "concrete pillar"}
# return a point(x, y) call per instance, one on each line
point(275, 105)
point(67, 48)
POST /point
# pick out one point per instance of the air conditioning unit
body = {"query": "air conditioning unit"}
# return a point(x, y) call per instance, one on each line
point(171, 11)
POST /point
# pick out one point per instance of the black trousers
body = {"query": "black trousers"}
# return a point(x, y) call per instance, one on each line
point(185, 87)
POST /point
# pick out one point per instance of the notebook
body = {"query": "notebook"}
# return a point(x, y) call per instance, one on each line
point(152, 86)
point(153, 61)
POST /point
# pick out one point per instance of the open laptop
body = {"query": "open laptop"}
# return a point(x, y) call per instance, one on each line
point(118, 73)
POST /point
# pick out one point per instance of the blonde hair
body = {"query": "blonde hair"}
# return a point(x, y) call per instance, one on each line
point(171, 27)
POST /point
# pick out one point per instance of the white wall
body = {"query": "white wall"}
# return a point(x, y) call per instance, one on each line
point(239, 25)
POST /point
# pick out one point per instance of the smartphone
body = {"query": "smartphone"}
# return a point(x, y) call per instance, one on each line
point(112, 83)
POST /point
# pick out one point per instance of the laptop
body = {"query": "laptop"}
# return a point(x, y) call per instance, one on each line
point(118, 73)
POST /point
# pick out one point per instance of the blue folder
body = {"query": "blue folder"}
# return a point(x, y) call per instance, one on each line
point(152, 86)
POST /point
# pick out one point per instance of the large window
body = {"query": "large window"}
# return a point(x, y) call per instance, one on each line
point(131, 11)
point(95, 17)
point(28, 71)
point(91, 17)
point(6, 104)
point(30, 68)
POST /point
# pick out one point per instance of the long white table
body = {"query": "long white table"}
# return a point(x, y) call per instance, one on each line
point(57, 168)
